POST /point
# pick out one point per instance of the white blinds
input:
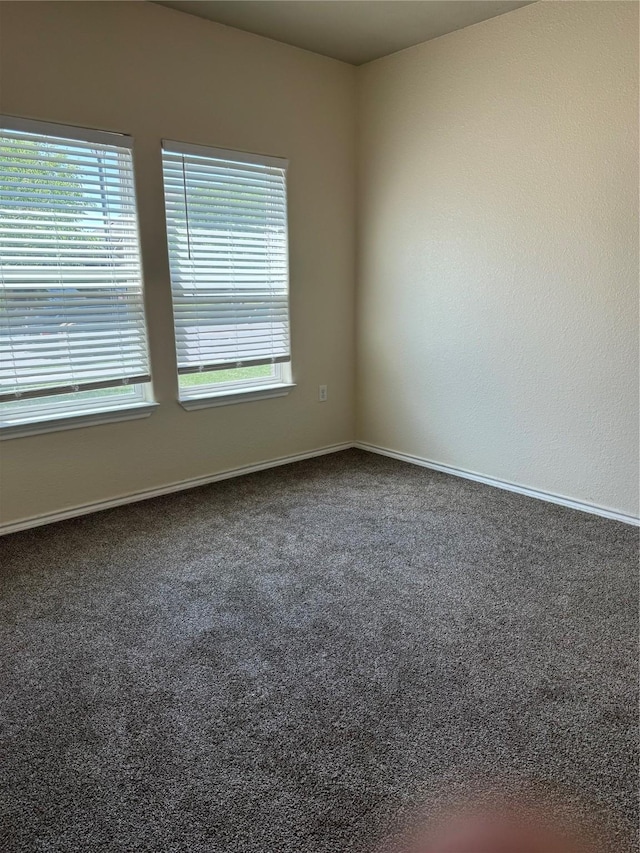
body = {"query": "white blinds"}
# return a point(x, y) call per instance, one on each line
point(71, 310)
point(227, 232)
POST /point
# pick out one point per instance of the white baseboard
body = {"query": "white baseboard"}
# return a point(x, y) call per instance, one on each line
point(97, 506)
point(594, 509)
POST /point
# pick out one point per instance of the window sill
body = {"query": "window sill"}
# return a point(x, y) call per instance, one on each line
point(228, 398)
point(75, 421)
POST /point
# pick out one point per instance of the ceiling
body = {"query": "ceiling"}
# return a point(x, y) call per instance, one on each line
point(355, 31)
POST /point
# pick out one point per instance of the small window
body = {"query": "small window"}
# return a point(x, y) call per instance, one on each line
point(228, 251)
point(72, 327)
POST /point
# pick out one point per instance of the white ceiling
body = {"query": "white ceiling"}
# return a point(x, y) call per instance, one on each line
point(355, 31)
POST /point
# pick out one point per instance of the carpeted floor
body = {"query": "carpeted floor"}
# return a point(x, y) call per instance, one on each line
point(283, 663)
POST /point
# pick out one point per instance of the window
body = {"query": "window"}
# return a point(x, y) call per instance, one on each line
point(227, 235)
point(72, 328)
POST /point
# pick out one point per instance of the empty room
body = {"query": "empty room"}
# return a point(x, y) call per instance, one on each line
point(319, 426)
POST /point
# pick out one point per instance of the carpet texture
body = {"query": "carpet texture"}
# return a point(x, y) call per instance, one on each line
point(287, 661)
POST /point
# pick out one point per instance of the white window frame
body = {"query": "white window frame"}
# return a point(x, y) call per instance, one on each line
point(280, 383)
point(239, 390)
point(72, 414)
point(63, 413)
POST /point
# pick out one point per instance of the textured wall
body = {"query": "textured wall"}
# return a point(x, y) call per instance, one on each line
point(497, 317)
point(153, 72)
point(497, 288)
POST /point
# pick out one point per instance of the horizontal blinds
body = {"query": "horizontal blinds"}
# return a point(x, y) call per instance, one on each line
point(227, 234)
point(71, 307)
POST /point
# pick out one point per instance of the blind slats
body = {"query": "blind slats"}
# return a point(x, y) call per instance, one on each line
point(228, 253)
point(188, 163)
point(71, 302)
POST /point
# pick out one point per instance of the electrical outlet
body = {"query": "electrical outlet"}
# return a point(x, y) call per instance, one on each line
point(322, 393)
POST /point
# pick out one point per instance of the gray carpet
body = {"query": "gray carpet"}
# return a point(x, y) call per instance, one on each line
point(286, 662)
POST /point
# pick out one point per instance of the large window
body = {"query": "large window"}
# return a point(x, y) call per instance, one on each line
point(227, 234)
point(72, 327)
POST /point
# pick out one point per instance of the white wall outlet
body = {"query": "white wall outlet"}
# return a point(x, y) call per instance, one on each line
point(322, 393)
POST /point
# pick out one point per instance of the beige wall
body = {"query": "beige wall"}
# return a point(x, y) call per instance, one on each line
point(497, 238)
point(497, 293)
point(154, 72)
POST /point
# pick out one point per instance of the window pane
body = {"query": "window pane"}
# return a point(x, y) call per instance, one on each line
point(62, 405)
point(237, 374)
point(71, 308)
point(227, 236)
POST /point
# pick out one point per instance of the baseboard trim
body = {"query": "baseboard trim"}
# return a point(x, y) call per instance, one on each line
point(182, 485)
point(550, 497)
point(134, 497)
